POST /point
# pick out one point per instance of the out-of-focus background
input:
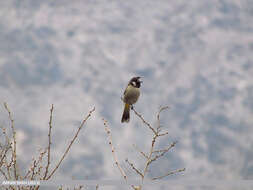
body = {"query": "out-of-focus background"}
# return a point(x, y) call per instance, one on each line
point(195, 56)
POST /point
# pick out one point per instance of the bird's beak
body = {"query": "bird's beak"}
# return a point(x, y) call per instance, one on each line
point(140, 80)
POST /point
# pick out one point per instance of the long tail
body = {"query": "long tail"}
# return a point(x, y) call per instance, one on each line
point(126, 114)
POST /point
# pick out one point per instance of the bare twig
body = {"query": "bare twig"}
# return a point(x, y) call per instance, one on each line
point(162, 134)
point(8, 165)
point(49, 141)
point(29, 171)
point(149, 157)
point(14, 155)
point(5, 150)
point(4, 154)
point(37, 166)
point(170, 173)
point(159, 112)
point(71, 142)
point(134, 168)
point(158, 120)
point(152, 155)
point(4, 174)
point(33, 169)
point(141, 152)
point(162, 152)
point(42, 153)
point(108, 132)
point(144, 121)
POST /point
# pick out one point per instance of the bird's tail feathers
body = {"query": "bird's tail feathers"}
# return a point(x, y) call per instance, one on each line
point(126, 114)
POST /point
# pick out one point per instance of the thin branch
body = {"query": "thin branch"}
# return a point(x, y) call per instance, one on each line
point(5, 150)
point(14, 155)
point(5, 176)
point(149, 156)
point(141, 152)
point(134, 168)
point(158, 117)
point(39, 163)
point(8, 167)
point(71, 142)
point(160, 110)
point(162, 152)
point(29, 170)
point(163, 134)
point(144, 121)
point(152, 154)
point(3, 154)
point(170, 173)
point(108, 132)
point(49, 141)
point(33, 169)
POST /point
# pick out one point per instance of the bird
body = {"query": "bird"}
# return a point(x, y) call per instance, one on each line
point(130, 97)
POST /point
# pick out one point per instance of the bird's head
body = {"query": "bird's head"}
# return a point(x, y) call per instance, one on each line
point(136, 82)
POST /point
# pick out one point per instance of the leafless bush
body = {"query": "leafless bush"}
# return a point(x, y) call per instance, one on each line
point(150, 156)
point(40, 167)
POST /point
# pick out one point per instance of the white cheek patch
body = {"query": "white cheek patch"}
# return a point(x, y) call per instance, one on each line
point(134, 83)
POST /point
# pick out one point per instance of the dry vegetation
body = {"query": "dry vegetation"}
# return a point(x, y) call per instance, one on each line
point(42, 169)
point(150, 156)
